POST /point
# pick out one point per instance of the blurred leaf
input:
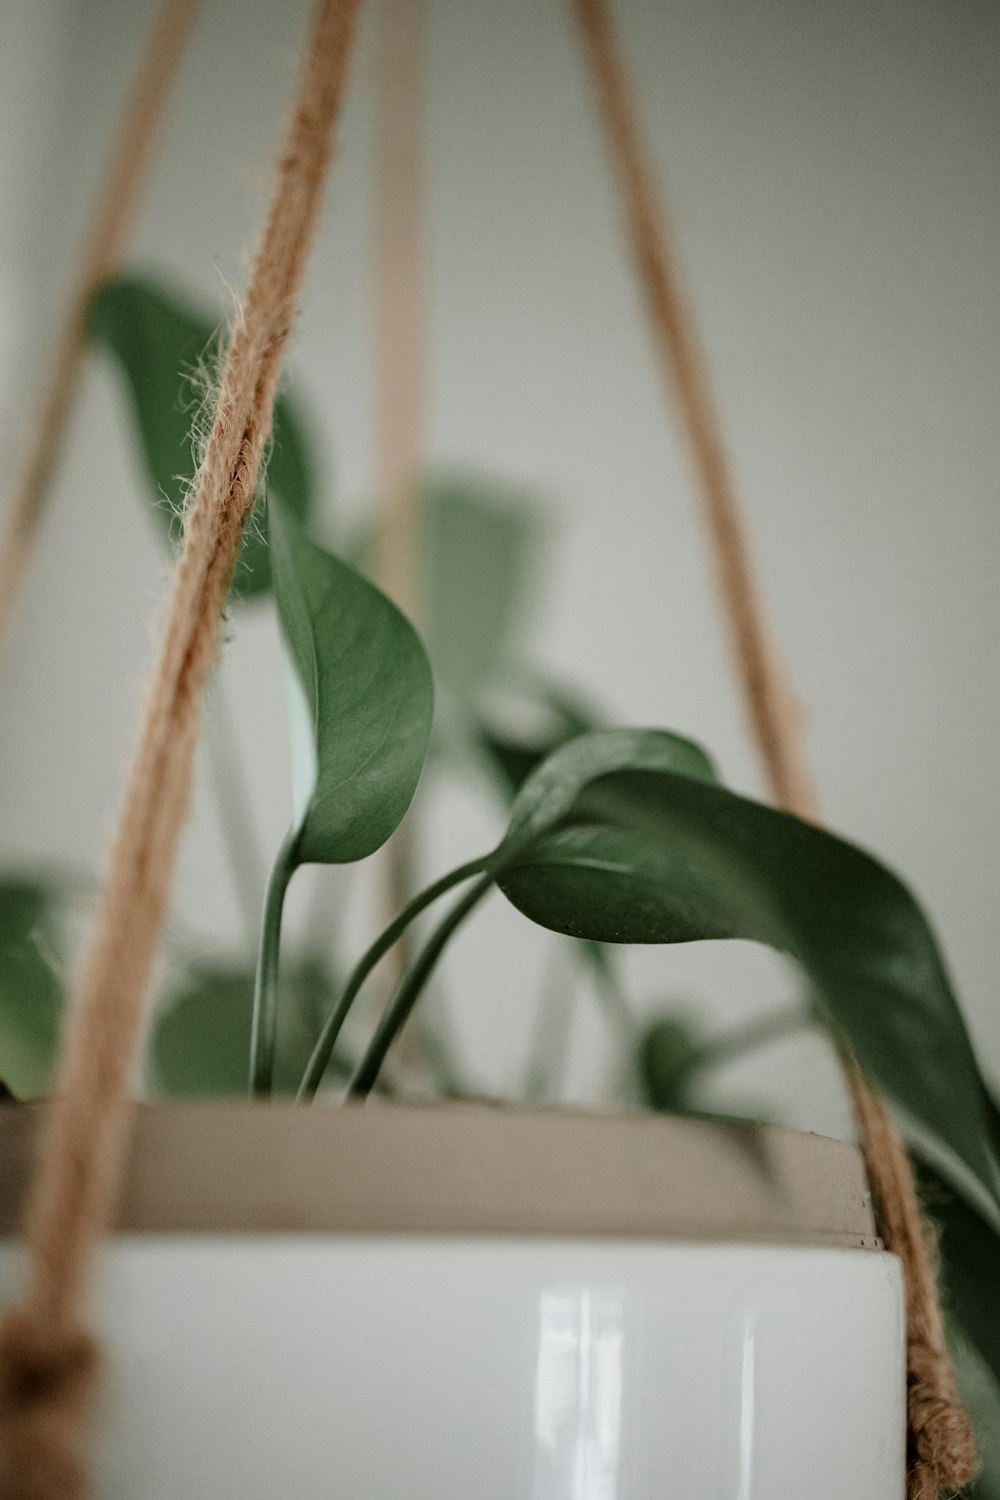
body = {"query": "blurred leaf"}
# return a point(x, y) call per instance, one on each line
point(369, 692)
point(479, 546)
point(166, 350)
point(734, 868)
point(31, 996)
point(670, 1053)
point(979, 1393)
point(514, 757)
point(201, 1040)
point(970, 1260)
point(513, 760)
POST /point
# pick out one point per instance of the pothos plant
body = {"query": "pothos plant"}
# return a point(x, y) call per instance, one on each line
point(614, 836)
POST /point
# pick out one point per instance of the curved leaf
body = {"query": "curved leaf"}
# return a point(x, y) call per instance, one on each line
point(612, 886)
point(555, 788)
point(368, 687)
point(732, 867)
point(166, 351)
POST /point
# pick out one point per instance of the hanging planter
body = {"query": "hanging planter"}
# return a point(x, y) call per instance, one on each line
point(457, 1300)
point(445, 1302)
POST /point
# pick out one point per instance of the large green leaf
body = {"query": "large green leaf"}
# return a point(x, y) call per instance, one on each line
point(610, 885)
point(730, 867)
point(167, 351)
point(30, 990)
point(368, 687)
point(201, 1041)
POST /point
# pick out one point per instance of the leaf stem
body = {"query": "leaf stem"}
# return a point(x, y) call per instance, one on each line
point(323, 1050)
point(264, 1028)
point(409, 989)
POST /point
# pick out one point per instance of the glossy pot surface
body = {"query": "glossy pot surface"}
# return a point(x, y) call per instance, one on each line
point(439, 1303)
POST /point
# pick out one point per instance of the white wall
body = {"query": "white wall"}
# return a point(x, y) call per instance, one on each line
point(832, 176)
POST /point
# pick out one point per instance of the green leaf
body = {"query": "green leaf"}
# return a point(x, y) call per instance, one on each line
point(557, 787)
point(513, 757)
point(732, 867)
point(369, 692)
point(167, 352)
point(513, 760)
point(979, 1393)
point(613, 886)
point(201, 1041)
point(670, 1055)
point(970, 1261)
point(31, 997)
point(479, 543)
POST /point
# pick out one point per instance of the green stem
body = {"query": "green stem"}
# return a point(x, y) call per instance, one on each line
point(409, 988)
point(264, 1028)
point(323, 1050)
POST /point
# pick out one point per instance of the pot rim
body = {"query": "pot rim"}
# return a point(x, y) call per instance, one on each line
point(239, 1167)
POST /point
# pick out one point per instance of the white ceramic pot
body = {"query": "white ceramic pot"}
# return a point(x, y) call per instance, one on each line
point(441, 1303)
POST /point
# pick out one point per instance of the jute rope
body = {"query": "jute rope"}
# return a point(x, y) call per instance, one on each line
point(125, 176)
point(47, 1359)
point(941, 1450)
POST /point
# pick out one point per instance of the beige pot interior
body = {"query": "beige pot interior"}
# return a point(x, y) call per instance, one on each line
point(469, 1169)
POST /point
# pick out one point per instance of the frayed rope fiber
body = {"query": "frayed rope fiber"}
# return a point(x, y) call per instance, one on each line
point(941, 1450)
point(48, 1362)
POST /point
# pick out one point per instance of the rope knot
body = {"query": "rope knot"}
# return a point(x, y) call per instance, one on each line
point(41, 1367)
point(943, 1451)
point(47, 1379)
